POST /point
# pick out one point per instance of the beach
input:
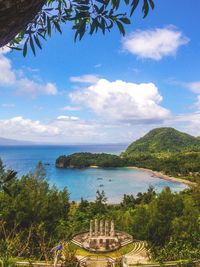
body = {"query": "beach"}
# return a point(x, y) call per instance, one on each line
point(164, 176)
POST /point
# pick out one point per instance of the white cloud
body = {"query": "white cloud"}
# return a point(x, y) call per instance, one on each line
point(67, 118)
point(70, 108)
point(32, 88)
point(155, 43)
point(87, 78)
point(193, 86)
point(122, 101)
point(189, 123)
point(7, 75)
point(22, 85)
point(19, 126)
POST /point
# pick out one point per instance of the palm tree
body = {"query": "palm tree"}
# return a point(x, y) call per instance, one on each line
point(15, 15)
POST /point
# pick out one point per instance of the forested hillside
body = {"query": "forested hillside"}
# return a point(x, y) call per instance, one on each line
point(164, 140)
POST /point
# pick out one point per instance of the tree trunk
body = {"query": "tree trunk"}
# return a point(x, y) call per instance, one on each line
point(15, 15)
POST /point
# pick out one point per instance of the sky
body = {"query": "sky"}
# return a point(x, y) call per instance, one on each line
point(107, 89)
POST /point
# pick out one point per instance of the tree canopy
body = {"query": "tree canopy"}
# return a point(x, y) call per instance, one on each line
point(83, 16)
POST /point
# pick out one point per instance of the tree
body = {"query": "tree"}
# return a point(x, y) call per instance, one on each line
point(6, 177)
point(34, 20)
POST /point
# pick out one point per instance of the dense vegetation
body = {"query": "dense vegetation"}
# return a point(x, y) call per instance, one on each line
point(167, 150)
point(83, 160)
point(163, 149)
point(36, 217)
point(164, 140)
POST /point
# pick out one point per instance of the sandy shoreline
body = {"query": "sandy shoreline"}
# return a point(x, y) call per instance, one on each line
point(164, 176)
point(159, 175)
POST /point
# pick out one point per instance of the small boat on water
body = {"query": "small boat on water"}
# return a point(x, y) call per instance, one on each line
point(101, 185)
point(99, 178)
point(110, 180)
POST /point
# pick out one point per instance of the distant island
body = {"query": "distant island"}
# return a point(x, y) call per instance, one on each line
point(13, 142)
point(165, 150)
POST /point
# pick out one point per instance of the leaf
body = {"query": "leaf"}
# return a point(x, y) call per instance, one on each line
point(5, 189)
point(145, 8)
point(151, 4)
point(49, 26)
point(120, 27)
point(57, 26)
point(25, 48)
point(92, 27)
point(37, 41)
point(11, 175)
point(15, 48)
point(125, 20)
point(32, 45)
point(134, 6)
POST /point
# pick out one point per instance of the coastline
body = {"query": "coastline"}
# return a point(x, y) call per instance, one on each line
point(164, 176)
point(159, 175)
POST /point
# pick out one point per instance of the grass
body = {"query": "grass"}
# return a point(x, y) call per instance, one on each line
point(114, 254)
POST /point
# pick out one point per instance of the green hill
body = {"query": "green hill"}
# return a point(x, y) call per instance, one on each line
point(164, 140)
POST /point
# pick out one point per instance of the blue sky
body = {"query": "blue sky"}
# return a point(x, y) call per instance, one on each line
point(107, 89)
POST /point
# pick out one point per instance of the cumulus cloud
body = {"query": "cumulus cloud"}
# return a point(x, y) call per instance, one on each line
point(23, 85)
point(155, 43)
point(63, 129)
point(122, 101)
point(87, 78)
point(32, 88)
point(19, 126)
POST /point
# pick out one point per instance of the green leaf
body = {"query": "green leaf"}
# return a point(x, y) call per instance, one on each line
point(37, 41)
point(32, 45)
point(11, 175)
point(134, 6)
point(151, 4)
point(25, 48)
point(125, 20)
point(57, 26)
point(145, 8)
point(15, 48)
point(120, 27)
point(49, 26)
point(5, 189)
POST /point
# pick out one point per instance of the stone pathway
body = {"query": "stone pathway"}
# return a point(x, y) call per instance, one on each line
point(138, 255)
point(96, 262)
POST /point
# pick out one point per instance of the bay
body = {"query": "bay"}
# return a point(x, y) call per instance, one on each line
point(83, 182)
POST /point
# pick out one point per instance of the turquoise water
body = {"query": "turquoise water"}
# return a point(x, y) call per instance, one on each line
point(83, 182)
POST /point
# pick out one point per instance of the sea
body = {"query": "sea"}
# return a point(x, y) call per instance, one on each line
point(83, 182)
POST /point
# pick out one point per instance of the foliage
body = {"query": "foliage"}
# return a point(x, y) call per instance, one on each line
point(83, 160)
point(6, 177)
point(163, 149)
point(37, 217)
point(33, 219)
point(82, 15)
point(164, 140)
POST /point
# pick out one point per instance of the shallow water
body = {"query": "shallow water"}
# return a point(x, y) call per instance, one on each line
point(83, 182)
